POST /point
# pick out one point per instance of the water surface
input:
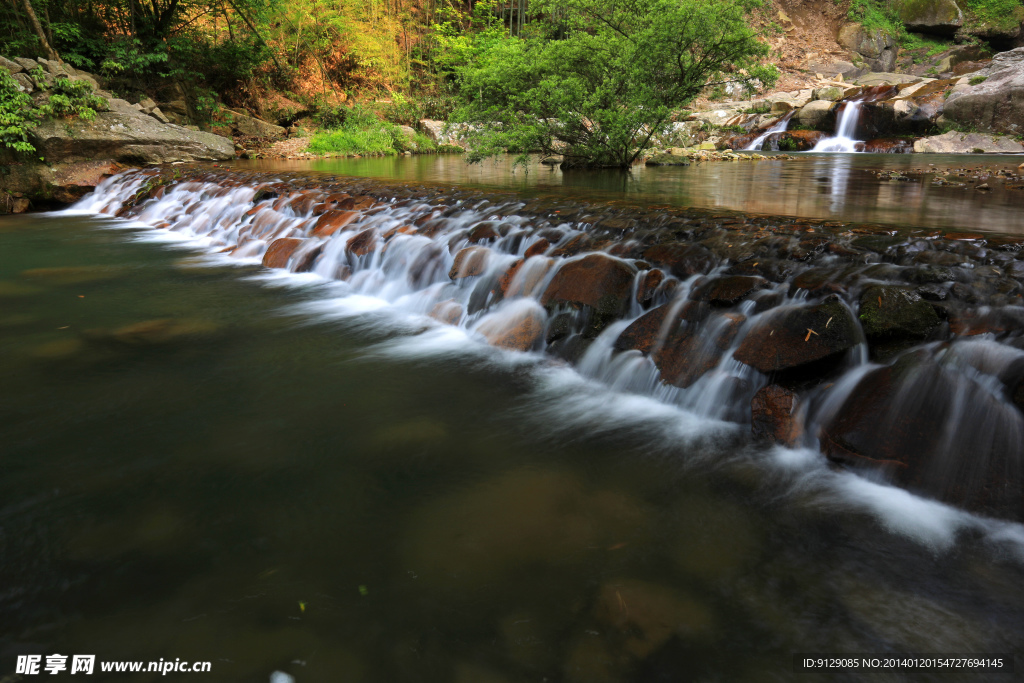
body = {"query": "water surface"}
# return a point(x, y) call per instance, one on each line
point(842, 187)
point(205, 460)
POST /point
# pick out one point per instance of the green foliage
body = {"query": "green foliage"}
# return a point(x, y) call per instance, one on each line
point(18, 114)
point(929, 46)
point(998, 14)
point(878, 14)
point(977, 80)
point(357, 130)
point(600, 94)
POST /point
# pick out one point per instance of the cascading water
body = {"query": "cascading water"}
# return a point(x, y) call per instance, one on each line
point(849, 119)
point(704, 312)
point(846, 128)
point(780, 127)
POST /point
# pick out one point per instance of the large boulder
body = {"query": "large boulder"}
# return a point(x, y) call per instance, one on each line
point(818, 115)
point(791, 336)
point(937, 17)
point(891, 311)
point(602, 282)
point(900, 419)
point(966, 143)
point(40, 184)
point(128, 138)
point(244, 124)
point(995, 105)
point(878, 48)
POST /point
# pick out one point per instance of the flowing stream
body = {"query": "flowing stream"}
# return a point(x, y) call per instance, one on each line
point(391, 456)
point(780, 127)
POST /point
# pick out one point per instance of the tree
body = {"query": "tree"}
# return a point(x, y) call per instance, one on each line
point(599, 94)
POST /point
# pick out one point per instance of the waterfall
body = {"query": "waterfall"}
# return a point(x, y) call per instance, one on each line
point(845, 130)
point(601, 288)
point(780, 126)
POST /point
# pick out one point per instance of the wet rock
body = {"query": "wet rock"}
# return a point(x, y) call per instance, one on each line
point(818, 115)
point(646, 615)
point(448, 312)
point(154, 332)
point(537, 248)
point(478, 537)
point(332, 221)
point(818, 281)
point(305, 258)
point(483, 231)
point(363, 243)
point(774, 415)
point(892, 422)
point(727, 291)
point(519, 327)
point(888, 311)
point(648, 331)
point(469, 262)
point(683, 260)
point(791, 336)
point(602, 282)
point(648, 287)
point(689, 351)
point(279, 251)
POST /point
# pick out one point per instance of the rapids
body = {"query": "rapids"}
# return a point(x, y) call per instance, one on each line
point(369, 430)
point(675, 305)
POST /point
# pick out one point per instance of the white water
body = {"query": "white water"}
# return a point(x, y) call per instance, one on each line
point(846, 127)
point(780, 127)
point(405, 278)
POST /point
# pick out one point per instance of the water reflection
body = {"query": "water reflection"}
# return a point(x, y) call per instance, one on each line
point(790, 188)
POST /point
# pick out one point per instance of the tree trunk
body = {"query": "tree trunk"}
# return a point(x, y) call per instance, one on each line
point(38, 29)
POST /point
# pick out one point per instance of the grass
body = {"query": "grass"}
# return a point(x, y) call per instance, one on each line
point(360, 132)
point(976, 80)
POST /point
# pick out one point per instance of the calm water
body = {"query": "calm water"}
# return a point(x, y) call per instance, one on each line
point(830, 186)
point(202, 460)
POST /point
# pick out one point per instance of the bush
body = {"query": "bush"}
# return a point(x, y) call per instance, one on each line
point(600, 95)
point(18, 115)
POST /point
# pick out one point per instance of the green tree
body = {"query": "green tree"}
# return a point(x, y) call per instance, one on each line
point(612, 79)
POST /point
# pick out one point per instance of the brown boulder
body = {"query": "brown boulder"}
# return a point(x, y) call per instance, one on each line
point(518, 327)
point(897, 419)
point(773, 415)
point(363, 243)
point(448, 312)
point(729, 290)
point(790, 336)
point(333, 221)
point(280, 251)
point(690, 351)
point(537, 248)
point(597, 280)
point(683, 260)
point(469, 262)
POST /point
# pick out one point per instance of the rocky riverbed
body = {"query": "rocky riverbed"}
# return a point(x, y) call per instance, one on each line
point(814, 333)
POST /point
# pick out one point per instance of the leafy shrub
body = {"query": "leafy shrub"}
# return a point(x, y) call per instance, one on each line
point(18, 115)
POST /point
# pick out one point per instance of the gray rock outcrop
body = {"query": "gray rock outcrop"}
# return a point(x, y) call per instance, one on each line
point(996, 104)
point(937, 17)
point(966, 143)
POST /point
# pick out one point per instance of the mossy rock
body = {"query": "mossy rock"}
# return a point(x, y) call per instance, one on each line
point(889, 311)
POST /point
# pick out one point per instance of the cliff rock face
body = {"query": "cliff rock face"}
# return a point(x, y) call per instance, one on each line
point(77, 154)
point(995, 105)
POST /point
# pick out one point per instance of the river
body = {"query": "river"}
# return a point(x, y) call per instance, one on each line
point(208, 460)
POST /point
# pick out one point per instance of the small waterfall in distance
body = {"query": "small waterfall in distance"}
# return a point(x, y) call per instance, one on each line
point(780, 127)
